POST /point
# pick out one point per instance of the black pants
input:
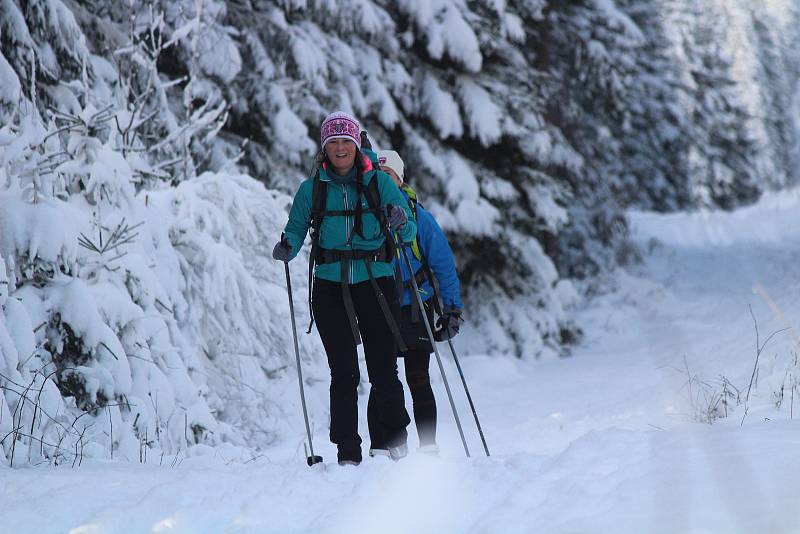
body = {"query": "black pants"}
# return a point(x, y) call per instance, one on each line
point(380, 352)
point(417, 362)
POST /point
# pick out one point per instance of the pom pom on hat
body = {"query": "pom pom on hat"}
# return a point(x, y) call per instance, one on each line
point(340, 125)
point(392, 160)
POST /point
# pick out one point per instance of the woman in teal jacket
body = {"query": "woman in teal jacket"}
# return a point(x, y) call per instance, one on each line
point(349, 206)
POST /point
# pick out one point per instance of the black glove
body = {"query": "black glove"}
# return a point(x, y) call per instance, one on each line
point(397, 217)
point(448, 324)
point(283, 250)
point(365, 140)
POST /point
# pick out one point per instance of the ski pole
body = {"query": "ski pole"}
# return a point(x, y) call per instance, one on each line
point(312, 459)
point(438, 309)
point(469, 397)
point(433, 342)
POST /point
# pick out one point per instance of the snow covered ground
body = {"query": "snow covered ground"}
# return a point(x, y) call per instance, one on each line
point(612, 439)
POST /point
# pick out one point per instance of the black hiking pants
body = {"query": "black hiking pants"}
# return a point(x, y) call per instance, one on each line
point(380, 353)
point(417, 361)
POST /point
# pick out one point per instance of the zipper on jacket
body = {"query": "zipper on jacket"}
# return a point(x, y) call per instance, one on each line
point(347, 230)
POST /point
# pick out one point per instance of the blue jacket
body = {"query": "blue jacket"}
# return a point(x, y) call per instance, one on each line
point(337, 230)
point(437, 253)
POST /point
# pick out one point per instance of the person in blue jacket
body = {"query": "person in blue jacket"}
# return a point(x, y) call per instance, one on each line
point(354, 294)
point(429, 254)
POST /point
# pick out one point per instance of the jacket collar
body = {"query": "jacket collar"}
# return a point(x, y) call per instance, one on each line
point(366, 164)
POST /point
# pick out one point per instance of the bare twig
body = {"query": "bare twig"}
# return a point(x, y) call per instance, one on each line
point(164, 306)
point(79, 449)
point(103, 344)
point(34, 438)
point(111, 430)
point(759, 350)
point(122, 234)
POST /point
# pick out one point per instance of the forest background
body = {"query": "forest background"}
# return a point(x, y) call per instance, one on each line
point(149, 150)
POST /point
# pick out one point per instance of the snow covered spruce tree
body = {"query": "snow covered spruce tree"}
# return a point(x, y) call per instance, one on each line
point(711, 106)
point(587, 50)
point(722, 161)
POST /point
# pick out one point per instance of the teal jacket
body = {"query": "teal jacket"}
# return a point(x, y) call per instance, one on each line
point(336, 230)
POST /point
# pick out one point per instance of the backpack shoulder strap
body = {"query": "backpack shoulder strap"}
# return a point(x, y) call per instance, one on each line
point(318, 198)
point(373, 194)
point(412, 198)
point(412, 205)
point(374, 200)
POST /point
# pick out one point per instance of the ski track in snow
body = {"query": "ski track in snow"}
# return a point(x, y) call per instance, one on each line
point(605, 440)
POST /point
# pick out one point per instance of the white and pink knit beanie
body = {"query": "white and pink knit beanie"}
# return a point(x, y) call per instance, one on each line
point(340, 125)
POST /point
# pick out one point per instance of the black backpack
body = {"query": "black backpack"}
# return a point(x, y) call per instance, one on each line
point(385, 253)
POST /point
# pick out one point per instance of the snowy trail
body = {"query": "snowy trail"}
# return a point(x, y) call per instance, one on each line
point(603, 441)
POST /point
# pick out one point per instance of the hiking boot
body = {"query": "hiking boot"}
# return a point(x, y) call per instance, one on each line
point(431, 449)
point(373, 452)
point(399, 452)
point(349, 455)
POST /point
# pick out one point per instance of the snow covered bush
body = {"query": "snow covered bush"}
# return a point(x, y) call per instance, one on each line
point(131, 320)
point(135, 315)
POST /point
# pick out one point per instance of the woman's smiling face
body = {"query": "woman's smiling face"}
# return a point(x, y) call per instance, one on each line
point(342, 155)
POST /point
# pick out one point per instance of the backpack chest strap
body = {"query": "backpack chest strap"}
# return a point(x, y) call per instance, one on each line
point(341, 213)
point(324, 256)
